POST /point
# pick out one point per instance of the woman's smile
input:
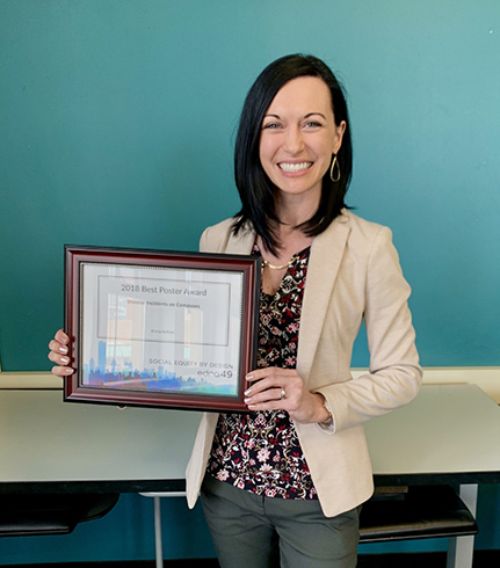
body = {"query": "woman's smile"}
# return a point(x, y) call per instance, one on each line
point(294, 167)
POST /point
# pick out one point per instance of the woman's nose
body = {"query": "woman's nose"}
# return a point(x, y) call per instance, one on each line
point(294, 142)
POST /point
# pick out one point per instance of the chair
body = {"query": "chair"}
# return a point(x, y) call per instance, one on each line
point(43, 514)
point(415, 512)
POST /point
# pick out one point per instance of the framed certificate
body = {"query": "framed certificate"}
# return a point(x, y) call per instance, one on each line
point(163, 329)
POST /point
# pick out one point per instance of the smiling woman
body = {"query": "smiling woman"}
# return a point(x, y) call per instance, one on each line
point(282, 483)
point(277, 484)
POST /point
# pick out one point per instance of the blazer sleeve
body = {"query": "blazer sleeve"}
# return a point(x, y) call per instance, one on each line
point(394, 376)
point(216, 237)
point(204, 241)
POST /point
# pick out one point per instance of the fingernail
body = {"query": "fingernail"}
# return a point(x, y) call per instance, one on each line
point(64, 360)
point(63, 349)
point(68, 371)
point(248, 391)
point(249, 377)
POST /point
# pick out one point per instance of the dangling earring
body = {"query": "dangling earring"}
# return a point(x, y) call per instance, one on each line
point(335, 162)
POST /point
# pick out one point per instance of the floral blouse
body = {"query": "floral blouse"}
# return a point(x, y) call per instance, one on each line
point(260, 451)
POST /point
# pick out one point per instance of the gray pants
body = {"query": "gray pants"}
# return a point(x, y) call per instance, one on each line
point(251, 531)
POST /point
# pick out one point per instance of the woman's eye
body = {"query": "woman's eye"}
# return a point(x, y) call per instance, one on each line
point(312, 124)
point(271, 125)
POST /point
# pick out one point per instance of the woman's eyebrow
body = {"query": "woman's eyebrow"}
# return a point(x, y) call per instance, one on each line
point(309, 114)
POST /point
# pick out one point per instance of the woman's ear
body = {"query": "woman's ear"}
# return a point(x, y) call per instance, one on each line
point(339, 135)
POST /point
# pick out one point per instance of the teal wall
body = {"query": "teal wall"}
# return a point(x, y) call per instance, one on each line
point(117, 121)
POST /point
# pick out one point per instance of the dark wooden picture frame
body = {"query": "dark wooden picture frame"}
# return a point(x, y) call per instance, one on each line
point(131, 312)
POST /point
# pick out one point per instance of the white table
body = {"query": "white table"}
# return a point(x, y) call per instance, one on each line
point(450, 433)
point(54, 446)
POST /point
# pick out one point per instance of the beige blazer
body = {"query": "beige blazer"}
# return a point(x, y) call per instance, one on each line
point(353, 273)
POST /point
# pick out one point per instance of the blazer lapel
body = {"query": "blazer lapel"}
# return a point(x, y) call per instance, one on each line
point(326, 254)
point(241, 244)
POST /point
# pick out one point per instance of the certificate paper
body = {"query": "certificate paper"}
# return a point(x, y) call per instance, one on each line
point(174, 330)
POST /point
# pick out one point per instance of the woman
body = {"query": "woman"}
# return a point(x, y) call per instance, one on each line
point(283, 483)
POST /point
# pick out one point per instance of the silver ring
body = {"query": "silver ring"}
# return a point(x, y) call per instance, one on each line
point(282, 393)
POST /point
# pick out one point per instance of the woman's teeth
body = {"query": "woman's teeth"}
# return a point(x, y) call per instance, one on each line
point(294, 167)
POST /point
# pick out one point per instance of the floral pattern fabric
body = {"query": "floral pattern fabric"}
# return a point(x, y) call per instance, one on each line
point(260, 451)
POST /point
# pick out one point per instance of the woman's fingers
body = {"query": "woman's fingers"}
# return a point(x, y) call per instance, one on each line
point(268, 395)
point(56, 347)
point(58, 354)
point(58, 358)
point(60, 342)
point(62, 371)
point(62, 337)
point(273, 377)
point(274, 388)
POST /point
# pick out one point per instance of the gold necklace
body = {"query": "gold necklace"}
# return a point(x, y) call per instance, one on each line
point(277, 266)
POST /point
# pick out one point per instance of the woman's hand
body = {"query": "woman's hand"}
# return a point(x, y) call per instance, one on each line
point(58, 354)
point(274, 388)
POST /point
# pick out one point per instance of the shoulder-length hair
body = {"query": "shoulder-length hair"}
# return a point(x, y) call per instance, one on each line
point(257, 192)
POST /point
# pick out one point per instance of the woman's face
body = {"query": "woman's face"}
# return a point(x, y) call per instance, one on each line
point(299, 136)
